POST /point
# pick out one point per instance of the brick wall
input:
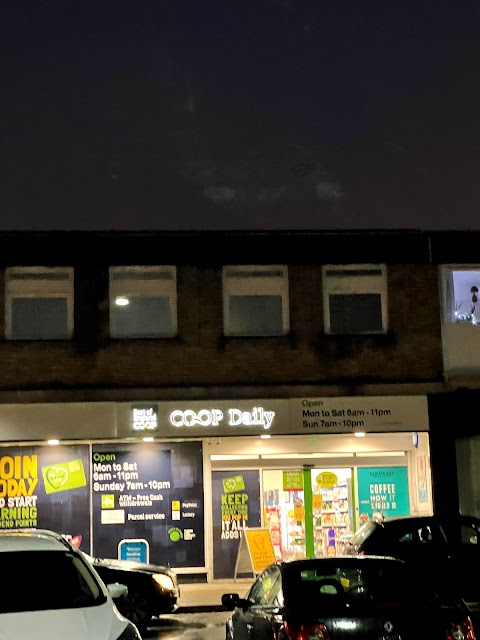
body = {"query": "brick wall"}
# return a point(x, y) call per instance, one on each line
point(200, 355)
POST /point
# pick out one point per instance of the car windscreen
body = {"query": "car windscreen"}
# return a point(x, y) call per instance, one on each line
point(360, 582)
point(46, 580)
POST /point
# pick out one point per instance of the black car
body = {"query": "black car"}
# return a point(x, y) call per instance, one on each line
point(440, 549)
point(345, 598)
point(152, 590)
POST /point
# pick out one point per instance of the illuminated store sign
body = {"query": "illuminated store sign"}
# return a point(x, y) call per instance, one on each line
point(257, 417)
point(145, 417)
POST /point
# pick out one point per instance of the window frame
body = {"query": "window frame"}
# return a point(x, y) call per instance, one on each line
point(157, 288)
point(35, 288)
point(364, 284)
point(243, 285)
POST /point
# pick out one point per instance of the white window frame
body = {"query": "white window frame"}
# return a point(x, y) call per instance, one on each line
point(238, 280)
point(37, 288)
point(352, 284)
point(154, 287)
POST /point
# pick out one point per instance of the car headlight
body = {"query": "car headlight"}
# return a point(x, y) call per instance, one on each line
point(130, 633)
point(163, 580)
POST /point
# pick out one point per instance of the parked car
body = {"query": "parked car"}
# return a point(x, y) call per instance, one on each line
point(438, 548)
point(344, 598)
point(50, 591)
point(152, 589)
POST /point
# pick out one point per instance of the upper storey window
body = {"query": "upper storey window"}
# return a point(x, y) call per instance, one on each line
point(39, 303)
point(255, 300)
point(143, 302)
point(461, 294)
point(355, 299)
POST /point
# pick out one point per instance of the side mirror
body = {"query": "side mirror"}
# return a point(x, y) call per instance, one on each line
point(117, 590)
point(230, 601)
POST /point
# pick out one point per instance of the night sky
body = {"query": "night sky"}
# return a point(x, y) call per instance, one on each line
point(261, 114)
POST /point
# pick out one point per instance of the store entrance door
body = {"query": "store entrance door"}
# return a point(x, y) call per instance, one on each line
point(312, 521)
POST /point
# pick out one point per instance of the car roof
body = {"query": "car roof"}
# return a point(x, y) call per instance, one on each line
point(341, 560)
point(429, 518)
point(28, 540)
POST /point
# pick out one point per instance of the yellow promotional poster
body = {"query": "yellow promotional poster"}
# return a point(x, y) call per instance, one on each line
point(317, 501)
point(326, 479)
point(299, 512)
point(260, 548)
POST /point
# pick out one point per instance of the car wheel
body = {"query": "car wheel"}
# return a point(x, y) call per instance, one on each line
point(136, 608)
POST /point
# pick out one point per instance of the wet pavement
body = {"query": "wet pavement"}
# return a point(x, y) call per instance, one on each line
point(188, 626)
point(195, 598)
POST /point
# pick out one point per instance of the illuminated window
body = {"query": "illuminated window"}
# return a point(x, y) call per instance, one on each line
point(461, 294)
point(143, 302)
point(255, 300)
point(355, 299)
point(39, 303)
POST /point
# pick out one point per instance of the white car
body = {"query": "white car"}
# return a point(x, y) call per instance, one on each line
point(49, 592)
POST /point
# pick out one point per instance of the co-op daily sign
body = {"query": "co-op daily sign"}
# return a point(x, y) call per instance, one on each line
point(257, 417)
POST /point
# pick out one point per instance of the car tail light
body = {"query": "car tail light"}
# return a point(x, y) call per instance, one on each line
point(306, 631)
point(461, 630)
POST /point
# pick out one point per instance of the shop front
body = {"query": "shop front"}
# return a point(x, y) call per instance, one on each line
point(314, 490)
point(175, 483)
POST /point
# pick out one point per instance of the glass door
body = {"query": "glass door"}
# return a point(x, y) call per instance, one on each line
point(284, 512)
point(333, 509)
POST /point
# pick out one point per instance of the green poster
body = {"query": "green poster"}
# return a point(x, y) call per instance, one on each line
point(64, 476)
point(292, 480)
point(234, 483)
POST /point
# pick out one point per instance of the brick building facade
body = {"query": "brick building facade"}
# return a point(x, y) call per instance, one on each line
point(354, 322)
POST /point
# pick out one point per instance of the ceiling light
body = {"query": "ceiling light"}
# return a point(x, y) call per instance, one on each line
point(265, 436)
point(380, 454)
point(359, 434)
point(234, 457)
point(148, 439)
point(304, 456)
point(53, 441)
point(121, 301)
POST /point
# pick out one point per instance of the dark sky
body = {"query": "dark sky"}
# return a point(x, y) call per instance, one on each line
point(261, 114)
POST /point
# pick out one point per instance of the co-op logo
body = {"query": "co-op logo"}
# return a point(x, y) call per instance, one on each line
point(257, 417)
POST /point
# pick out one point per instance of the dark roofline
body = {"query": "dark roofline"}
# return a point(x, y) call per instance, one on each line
point(207, 232)
point(249, 246)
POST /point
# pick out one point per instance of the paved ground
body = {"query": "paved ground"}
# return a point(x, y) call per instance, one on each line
point(207, 597)
point(188, 626)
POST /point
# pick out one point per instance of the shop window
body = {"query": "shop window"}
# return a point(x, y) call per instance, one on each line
point(39, 303)
point(143, 302)
point(255, 301)
point(355, 299)
point(461, 295)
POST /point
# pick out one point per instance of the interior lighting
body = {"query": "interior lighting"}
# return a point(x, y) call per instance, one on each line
point(234, 457)
point(359, 434)
point(148, 439)
point(303, 456)
point(265, 436)
point(53, 441)
point(380, 454)
point(121, 301)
